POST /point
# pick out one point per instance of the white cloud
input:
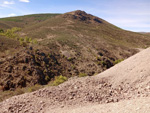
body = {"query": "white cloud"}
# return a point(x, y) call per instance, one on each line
point(8, 3)
point(24, 1)
point(12, 14)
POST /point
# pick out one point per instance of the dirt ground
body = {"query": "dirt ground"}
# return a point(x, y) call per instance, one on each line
point(139, 105)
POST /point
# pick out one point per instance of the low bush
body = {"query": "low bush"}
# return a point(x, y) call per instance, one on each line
point(82, 74)
point(33, 88)
point(1, 31)
point(118, 61)
point(98, 58)
point(12, 33)
point(58, 80)
point(103, 63)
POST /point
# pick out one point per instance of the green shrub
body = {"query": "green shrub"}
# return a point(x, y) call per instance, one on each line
point(28, 40)
point(1, 31)
point(47, 78)
point(12, 33)
point(21, 39)
point(118, 61)
point(73, 66)
point(45, 70)
point(82, 74)
point(33, 88)
point(98, 58)
point(103, 63)
point(34, 41)
point(69, 59)
point(23, 44)
point(98, 63)
point(15, 29)
point(58, 80)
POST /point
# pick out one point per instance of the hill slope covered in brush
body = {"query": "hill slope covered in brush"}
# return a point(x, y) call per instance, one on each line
point(70, 44)
point(89, 40)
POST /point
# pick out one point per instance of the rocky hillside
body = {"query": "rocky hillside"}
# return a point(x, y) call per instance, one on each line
point(30, 66)
point(126, 81)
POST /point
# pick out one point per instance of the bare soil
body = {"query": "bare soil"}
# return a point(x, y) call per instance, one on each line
point(140, 105)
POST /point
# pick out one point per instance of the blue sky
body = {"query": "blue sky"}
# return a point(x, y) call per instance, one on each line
point(133, 15)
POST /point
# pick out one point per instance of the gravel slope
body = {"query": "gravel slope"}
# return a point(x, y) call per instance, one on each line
point(140, 105)
point(134, 71)
point(123, 88)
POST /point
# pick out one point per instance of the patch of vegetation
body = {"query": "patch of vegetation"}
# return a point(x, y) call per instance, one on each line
point(13, 19)
point(59, 80)
point(73, 66)
point(1, 31)
point(47, 78)
point(118, 61)
point(42, 17)
point(98, 63)
point(98, 58)
point(82, 74)
point(12, 33)
point(32, 88)
point(103, 63)
point(7, 94)
point(70, 59)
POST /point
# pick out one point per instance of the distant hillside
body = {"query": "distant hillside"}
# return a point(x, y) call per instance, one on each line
point(90, 40)
point(145, 33)
point(22, 21)
point(79, 24)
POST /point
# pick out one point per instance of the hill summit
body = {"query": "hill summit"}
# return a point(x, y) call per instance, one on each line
point(82, 16)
